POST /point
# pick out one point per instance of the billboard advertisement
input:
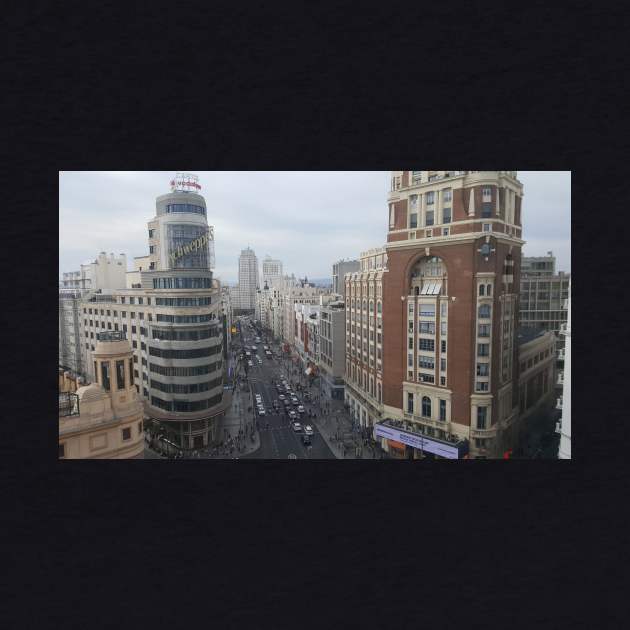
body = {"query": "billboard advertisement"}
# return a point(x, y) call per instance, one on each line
point(450, 451)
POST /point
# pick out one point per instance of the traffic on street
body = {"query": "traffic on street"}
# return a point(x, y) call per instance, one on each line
point(283, 409)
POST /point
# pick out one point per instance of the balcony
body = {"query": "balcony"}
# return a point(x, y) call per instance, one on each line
point(559, 403)
point(561, 354)
point(559, 426)
point(560, 378)
point(68, 404)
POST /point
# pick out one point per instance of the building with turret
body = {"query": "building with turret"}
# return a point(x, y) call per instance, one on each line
point(103, 420)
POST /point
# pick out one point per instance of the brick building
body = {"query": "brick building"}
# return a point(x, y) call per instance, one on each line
point(432, 317)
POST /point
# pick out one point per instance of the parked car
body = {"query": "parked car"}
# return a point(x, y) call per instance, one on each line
point(261, 411)
point(282, 397)
point(250, 364)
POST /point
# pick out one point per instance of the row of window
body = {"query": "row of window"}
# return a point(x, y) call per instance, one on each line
point(184, 354)
point(183, 301)
point(185, 319)
point(184, 405)
point(196, 370)
point(182, 283)
point(185, 207)
point(190, 388)
point(426, 407)
point(170, 334)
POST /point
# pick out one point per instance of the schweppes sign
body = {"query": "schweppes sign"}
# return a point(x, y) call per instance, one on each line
point(193, 246)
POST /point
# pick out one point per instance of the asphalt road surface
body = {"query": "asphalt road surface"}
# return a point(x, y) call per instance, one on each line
point(279, 440)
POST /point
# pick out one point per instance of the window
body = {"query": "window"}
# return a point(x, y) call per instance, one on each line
point(443, 381)
point(427, 344)
point(151, 233)
point(133, 329)
point(151, 249)
point(126, 434)
point(488, 289)
point(482, 290)
point(409, 403)
point(427, 363)
point(426, 407)
point(484, 330)
point(134, 343)
point(429, 234)
point(105, 375)
point(442, 364)
point(447, 194)
point(430, 198)
point(487, 194)
point(483, 350)
point(132, 300)
point(445, 232)
point(427, 328)
point(124, 314)
point(430, 217)
point(483, 369)
point(109, 325)
point(446, 215)
point(487, 227)
point(443, 346)
point(410, 343)
point(413, 220)
point(182, 283)
point(185, 207)
point(427, 310)
point(484, 311)
point(120, 374)
point(482, 413)
point(482, 386)
point(442, 410)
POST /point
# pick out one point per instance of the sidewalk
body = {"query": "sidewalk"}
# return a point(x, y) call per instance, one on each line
point(336, 423)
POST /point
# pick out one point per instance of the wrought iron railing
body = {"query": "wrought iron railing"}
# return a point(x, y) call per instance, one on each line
point(68, 404)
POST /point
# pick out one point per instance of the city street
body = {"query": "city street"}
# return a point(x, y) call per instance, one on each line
point(278, 440)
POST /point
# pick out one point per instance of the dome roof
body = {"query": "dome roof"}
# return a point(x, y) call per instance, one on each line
point(91, 392)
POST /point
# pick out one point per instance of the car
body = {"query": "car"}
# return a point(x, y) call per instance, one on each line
point(301, 409)
point(287, 402)
point(308, 429)
point(295, 402)
point(258, 398)
point(261, 411)
point(297, 427)
point(250, 364)
point(307, 396)
point(306, 440)
point(282, 397)
point(292, 415)
point(275, 404)
point(266, 347)
point(248, 354)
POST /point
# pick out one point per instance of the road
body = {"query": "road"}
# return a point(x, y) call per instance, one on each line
point(279, 440)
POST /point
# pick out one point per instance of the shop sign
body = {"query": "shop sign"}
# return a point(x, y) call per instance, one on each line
point(192, 246)
point(420, 442)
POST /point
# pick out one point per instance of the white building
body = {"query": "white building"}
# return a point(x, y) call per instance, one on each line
point(271, 271)
point(247, 280)
point(102, 274)
point(174, 322)
point(564, 425)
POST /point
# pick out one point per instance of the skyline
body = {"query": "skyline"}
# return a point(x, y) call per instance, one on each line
point(284, 214)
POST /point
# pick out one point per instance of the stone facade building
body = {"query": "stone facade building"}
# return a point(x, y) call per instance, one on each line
point(104, 420)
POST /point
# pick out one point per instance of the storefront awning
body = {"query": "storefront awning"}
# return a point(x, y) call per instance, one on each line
point(399, 445)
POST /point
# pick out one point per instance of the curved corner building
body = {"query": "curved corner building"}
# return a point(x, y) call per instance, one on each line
point(173, 318)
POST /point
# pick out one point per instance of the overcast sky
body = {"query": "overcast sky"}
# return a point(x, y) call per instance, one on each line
point(307, 219)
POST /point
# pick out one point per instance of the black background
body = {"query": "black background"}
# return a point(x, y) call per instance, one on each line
point(308, 86)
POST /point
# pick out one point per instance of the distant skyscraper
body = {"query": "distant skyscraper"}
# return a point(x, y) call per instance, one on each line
point(271, 270)
point(247, 279)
